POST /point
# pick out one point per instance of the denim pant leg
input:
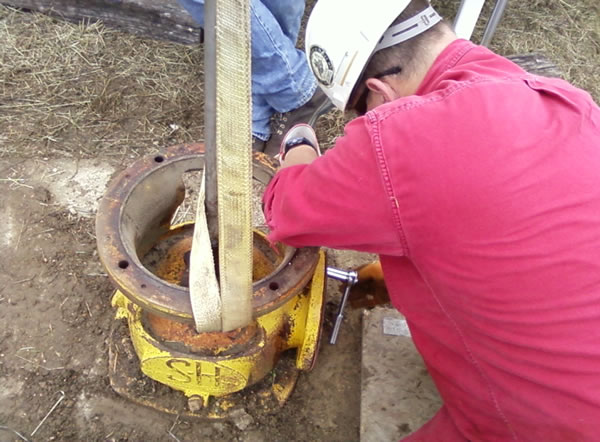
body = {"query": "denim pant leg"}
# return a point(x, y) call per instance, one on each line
point(288, 14)
point(281, 78)
point(195, 8)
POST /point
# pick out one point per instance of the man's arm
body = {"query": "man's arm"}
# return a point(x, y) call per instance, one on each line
point(337, 200)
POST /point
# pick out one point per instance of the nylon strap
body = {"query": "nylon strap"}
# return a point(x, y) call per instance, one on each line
point(234, 174)
point(206, 307)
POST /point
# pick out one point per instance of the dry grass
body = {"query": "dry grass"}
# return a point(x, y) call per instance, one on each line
point(568, 33)
point(77, 90)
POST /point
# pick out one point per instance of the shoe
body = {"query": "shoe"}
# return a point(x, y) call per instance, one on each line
point(282, 123)
point(258, 145)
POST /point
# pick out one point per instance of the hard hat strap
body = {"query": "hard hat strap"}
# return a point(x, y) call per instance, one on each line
point(409, 28)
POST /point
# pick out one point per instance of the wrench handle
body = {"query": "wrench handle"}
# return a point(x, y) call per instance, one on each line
point(340, 316)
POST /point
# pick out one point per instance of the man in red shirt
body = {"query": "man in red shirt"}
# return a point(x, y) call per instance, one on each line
point(478, 185)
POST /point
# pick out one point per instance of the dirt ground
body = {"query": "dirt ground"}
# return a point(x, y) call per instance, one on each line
point(79, 103)
point(56, 320)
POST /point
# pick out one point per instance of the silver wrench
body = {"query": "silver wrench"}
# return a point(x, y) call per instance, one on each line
point(350, 278)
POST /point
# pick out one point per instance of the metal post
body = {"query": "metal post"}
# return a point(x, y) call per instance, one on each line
point(466, 18)
point(210, 118)
point(493, 22)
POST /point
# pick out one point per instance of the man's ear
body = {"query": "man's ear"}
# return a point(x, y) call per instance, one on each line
point(381, 88)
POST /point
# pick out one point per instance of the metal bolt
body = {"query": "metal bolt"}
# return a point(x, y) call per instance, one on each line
point(195, 403)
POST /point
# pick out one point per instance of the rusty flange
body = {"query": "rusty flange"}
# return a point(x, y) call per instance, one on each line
point(135, 214)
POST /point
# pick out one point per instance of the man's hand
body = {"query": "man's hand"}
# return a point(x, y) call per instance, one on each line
point(299, 146)
point(302, 154)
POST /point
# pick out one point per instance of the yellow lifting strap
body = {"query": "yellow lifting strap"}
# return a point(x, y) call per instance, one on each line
point(230, 76)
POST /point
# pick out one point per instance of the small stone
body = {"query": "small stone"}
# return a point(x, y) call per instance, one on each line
point(241, 419)
point(220, 427)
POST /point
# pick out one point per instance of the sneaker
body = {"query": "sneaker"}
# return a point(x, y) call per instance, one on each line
point(317, 105)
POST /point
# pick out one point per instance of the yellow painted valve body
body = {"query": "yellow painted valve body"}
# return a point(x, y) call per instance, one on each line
point(294, 324)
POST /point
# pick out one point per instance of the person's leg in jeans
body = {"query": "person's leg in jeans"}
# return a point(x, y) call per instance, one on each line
point(195, 8)
point(288, 14)
point(281, 78)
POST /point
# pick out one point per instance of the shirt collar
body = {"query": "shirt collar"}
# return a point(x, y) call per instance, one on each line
point(447, 59)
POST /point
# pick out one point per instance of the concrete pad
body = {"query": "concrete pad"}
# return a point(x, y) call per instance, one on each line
point(397, 396)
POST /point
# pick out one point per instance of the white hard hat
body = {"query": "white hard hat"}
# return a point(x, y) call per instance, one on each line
point(342, 35)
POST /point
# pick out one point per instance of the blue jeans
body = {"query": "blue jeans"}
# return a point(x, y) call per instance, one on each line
point(281, 78)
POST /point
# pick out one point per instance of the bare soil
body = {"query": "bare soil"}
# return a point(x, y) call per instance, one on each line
point(79, 104)
point(56, 320)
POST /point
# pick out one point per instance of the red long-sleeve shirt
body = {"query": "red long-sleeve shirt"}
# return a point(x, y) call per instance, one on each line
point(481, 194)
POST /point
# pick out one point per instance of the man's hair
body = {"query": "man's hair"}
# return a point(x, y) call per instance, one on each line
point(408, 54)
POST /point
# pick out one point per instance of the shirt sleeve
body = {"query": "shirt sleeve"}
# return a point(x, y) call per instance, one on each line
point(338, 201)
